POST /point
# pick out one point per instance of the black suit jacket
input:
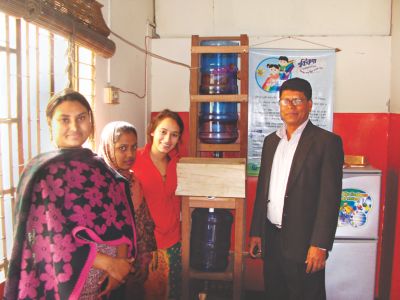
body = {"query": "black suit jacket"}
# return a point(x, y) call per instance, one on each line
point(313, 192)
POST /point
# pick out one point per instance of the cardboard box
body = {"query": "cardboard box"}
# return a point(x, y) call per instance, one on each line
point(212, 177)
point(355, 160)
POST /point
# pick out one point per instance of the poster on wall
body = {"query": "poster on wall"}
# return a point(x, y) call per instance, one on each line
point(268, 69)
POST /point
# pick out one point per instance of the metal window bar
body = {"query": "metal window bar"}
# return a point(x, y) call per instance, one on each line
point(7, 128)
point(91, 94)
point(27, 91)
point(19, 99)
point(37, 89)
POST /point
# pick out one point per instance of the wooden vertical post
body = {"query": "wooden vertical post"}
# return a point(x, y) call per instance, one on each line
point(185, 247)
point(194, 106)
point(244, 89)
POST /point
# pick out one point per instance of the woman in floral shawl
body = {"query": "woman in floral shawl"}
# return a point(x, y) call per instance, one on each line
point(75, 235)
point(118, 146)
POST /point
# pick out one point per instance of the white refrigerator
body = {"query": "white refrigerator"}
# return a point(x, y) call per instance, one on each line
point(351, 266)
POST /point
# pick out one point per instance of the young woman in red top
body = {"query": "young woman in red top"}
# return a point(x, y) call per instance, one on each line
point(155, 168)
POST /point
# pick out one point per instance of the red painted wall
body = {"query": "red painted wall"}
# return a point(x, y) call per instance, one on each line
point(367, 134)
point(377, 136)
point(392, 223)
point(363, 134)
point(395, 284)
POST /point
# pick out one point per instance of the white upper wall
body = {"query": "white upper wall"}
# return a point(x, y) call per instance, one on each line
point(182, 18)
point(360, 28)
point(126, 69)
point(362, 78)
point(170, 82)
point(395, 75)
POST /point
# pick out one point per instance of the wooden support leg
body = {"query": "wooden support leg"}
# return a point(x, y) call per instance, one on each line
point(185, 246)
point(239, 241)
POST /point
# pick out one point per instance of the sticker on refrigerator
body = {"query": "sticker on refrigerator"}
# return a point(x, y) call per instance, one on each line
point(354, 208)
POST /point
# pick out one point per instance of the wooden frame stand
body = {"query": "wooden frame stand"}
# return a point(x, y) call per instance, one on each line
point(195, 145)
point(234, 271)
point(221, 198)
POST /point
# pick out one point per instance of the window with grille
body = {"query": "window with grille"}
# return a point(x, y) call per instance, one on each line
point(34, 64)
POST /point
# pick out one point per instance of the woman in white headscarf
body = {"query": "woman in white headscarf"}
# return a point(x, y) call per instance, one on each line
point(118, 148)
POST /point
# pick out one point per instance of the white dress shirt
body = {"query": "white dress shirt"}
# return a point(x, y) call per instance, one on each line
point(280, 172)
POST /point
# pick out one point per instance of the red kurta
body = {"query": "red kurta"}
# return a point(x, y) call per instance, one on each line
point(164, 206)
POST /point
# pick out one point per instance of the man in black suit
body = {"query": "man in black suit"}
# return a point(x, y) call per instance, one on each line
point(297, 200)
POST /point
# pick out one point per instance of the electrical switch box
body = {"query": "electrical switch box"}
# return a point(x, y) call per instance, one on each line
point(111, 95)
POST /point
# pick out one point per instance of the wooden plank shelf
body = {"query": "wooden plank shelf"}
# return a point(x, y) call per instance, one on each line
point(219, 147)
point(207, 202)
point(225, 276)
point(219, 98)
point(220, 49)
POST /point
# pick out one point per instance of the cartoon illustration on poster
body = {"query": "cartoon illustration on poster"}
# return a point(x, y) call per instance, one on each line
point(272, 72)
point(268, 69)
point(354, 208)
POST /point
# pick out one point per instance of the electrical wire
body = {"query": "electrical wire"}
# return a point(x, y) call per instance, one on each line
point(145, 77)
point(148, 53)
point(295, 38)
point(151, 53)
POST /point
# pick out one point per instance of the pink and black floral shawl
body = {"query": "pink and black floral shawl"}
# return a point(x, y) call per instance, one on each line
point(68, 201)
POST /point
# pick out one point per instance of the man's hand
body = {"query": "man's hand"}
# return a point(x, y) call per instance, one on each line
point(316, 258)
point(255, 241)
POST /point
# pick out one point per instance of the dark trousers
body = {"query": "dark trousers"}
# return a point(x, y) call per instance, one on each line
point(286, 279)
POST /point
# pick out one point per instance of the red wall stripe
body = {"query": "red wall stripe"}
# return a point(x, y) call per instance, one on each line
point(393, 203)
point(367, 134)
point(377, 136)
point(362, 134)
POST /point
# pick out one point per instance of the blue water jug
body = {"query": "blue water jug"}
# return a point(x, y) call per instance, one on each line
point(218, 120)
point(210, 239)
point(218, 70)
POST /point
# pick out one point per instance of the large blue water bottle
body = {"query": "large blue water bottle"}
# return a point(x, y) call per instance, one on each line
point(218, 70)
point(218, 120)
point(210, 239)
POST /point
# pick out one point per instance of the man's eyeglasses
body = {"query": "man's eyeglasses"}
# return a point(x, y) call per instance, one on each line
point(294, 101)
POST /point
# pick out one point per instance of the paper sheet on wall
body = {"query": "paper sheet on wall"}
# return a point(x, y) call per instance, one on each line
point(268, 69)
